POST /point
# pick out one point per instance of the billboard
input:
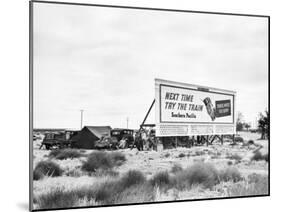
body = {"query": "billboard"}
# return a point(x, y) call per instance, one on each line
point(184, 109)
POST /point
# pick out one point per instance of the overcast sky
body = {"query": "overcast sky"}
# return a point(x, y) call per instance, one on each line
point(104, 60)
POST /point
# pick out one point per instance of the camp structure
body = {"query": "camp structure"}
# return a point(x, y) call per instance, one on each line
point(89, 135)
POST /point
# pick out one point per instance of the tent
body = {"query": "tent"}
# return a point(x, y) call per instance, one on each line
point(89, 135)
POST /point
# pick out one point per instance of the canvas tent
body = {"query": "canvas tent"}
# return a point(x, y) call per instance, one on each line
point(89, 135)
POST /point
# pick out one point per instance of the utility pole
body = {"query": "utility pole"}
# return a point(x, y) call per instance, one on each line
point(127, 122)
point(81, 125)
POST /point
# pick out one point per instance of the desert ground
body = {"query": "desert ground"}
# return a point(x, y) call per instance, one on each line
point(74, 177)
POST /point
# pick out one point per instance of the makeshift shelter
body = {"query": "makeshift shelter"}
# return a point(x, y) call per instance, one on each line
point(89, 135)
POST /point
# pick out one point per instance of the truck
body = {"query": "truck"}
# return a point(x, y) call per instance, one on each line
point(58, 140)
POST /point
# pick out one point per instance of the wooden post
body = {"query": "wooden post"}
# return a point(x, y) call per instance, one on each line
point(221, 139)
point(207, 140)
point(193, 140)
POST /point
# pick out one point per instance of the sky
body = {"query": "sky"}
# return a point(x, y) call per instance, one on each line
point(105, 60)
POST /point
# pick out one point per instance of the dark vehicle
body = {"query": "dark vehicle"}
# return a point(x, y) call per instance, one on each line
point(107, 142)
point(58, 140)
point(123, 134)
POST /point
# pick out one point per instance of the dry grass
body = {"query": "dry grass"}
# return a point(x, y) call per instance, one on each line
point(131, 187)
point(246, 188)
point(103, 160)
point(234, 157)
point(230, 174)
point(111, 180)
point(259, 156)
point(132, 177)
point(181, 155)
point(62, 154)
point(46, 168)
point(176, 168)
point(161, 180)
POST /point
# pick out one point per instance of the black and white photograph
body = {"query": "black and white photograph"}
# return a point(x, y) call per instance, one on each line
point(133, 105)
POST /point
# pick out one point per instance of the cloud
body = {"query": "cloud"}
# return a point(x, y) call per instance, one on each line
point(104, 60)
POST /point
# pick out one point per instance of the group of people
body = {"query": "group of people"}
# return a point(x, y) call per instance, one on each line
point(140, 142)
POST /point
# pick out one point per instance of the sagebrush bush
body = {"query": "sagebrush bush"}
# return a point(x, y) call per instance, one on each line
point(46, 168)
point(138, 193)
point(106, 192)
point(181, 155)
point(105, 172)
point(198, 153)
point(97, 160)
point(229, 163)
point(56, 199)
point(256, 185)
point(103, 160)
point(59, 198)
point(161, 179)
point(238, 139)
point(259, 156)
point(53, 153)
point(176, 168)
point(62, 154)
point(203, 173)
point(167, 155)
point(199, 173)
point(234, 157)
point(132, 177)
point(230, 174)
point(250, 142)
point(118, 158)
point(257, 178)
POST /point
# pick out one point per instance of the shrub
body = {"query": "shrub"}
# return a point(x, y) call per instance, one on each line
point(234, 157)
point(46, 168)
point(105, 192)
point(167, 155)
point(176, 168)
point(59, 198)
point(238, 139)
point(118, 158)
point(161, 179)
point(105, 172)
point(97, 160)
point(230, 174)
point(256, 186)
point(198, 153)
point(257, 178)
point(251, 142)
point(56, 199)
point(181, 155)
point(103, 160)
point(132, 177)
point(132, 187)
point(229, 163)
point(62, 154)
point(203, 173)
point(259, 156)
point(138, 193)
point(54, 153)
point(199, 173)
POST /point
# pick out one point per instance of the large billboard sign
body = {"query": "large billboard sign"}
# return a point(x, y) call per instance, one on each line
point(184, 109)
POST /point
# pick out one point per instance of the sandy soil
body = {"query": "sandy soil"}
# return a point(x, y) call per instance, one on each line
point(151, 162)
